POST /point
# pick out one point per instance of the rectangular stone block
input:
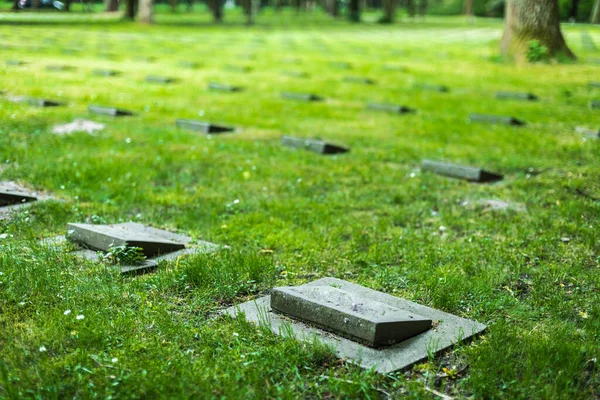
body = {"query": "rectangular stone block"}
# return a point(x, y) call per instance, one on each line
point(103, 237)
point(60, 68)
point(237, 68)
point(201, 126)
point(516, 96)
point(112, 111)
point(433, 88)
point(44, 102)
point(223, 87)
point(10, 196)
point(105, 72)
point(462, 172)
point(358, 79)
point(160, 79)
point(295, 74)
point(348, 314)
point(393, 108)
point(317, 146)
point(588, 132)
point(189, 64)
point(341, 65)
point(595, 104)
point(594, 84)
point(495, 119)
point(301, 96)
point(15, 63)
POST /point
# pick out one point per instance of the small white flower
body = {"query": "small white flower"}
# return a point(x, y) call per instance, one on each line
point(128, 140)
point(114, 360)
point(236, 334)
point(22, 303)
point(236, 201)
point(79, 317)
point(1, 273)
point(4, 236)
point(442, 228)
point(67, 312)
point(42, 349)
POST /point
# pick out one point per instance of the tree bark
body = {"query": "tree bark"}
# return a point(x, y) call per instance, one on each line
point(130, 9)
point(410, 8)
point(111, 5)
point(595, 19)
point(389, 11)
point(67, 5)
point(423, 5)
point(247, 7)
point(354, 10)
point(145, 11)
point(573, 10)
point(173, 4)
point(15, 6)
point(216, 7)
point(468, 8)
point(35, 4)
point(528, 20)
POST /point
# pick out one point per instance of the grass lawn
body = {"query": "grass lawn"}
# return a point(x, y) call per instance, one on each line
point(371, 216)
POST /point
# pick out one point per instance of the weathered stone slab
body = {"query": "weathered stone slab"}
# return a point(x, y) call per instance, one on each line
point(495, 119)
point(202, 126)
point(103, 237)
point(36, 102)
point(189, 64)
point(145, 59)
point(317, 146)
point(160, 79)
point(462, 172)
point(14, 197)
point(358, 79)
point(223, 87)
point(516, 96)
point(449, 329)
point(105, 72)
point(112, 111)
point(238, 68)
point(341, 65)
point(349, 315)
point(594, 84)
point(397, 68)
point(588, 132)
point(433, 88)
point(295, 74)
point(393, 108)
point(301, 96)
point(595, 104)
point(15, 63)
point(59, 68)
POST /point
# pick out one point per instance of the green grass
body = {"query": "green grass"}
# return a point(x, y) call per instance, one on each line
point(369, 216)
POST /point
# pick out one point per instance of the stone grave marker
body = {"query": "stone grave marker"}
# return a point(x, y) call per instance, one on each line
point(145, 59)
point(341, 65)
point(237, 68)
point(393, 108)
point(295, 74)
point(33, 101)
point(105, 72)
point(189, 64)
point(358, 79)
point(595, 104)
point(459, 171)
point(433, 88)
point(367, 327)
point(391, 67)
point(112, 111)
point(495, 119)
point(314, 145)
point(79, 125)
point(301, 96)
point(221, 87)
point(202, 126)
point(516, 96)
point(594, 84)
point(160, 79)
point(59, 68)
point(156, 244)
point(13, 197)
point(15, 63)
point(588, 132)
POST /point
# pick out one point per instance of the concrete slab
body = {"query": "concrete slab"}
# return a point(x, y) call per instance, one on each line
point(202, 126)
point(448, 329)
point(14, 196)
point(495, 119)
point(317, 146)
point(460, 171)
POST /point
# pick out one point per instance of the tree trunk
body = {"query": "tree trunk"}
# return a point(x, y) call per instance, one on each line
point(354, 10)
point(145, 11)
point(130, 9)
point(423, 5)
point(528, 20)
point(216, 7)
point(173, 4)
point(247, 7)
point(573, 10)
point(389, 11)
point(189, 5)
point(111, 5)
point(468, 8)
point(67, 5)
point(410, 8)
point(595, 19)
point(15, 6)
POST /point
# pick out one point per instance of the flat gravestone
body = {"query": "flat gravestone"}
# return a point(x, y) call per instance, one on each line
point(594, 84)
point(595, 104)
point(295, 74)
point(393, 108)
point(462, 172)
point(433, 88)
point(59, 68)
point(112, 111)
point(157, 244)
point(588, 132)
point(15, 63)
point(13, 196)
point(33, 101)
point(188, 64)
point(223, 88)
point(301, 96)
point(391, 67)
point(202, 126)
point(160, 79)
point(344, 313)
point(358, 79)
point(341, 65)
point(516, 96)
point(317, 146)
point(105, 72)
point(495, 119)
point(145, 59)
point(399, 332)
point(237, 68)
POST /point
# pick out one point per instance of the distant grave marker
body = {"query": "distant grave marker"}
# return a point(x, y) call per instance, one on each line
point(33, 101)
point(372, 329)
point(60, 68)
point(295, 74)
point(433, 88)
point(495, 119)
point(314, 145)
point(341, 65)
point(221, 87)
point(594, 84)
point(301, 96)
point(145, 59)
point(112, 111)
point(462, 172)
point(15, 63)
point(14, 197)
point(358, 79)
point(588, 132)
point(237, 68)
point(516, 96)
point(105, 72)
point(393, 108)
point(160, 79)
point(398, 68)
point(189, 64)
point(202, 126)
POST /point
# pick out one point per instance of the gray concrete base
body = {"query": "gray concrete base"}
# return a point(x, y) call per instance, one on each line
point(24, 196)
point(448, 330)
